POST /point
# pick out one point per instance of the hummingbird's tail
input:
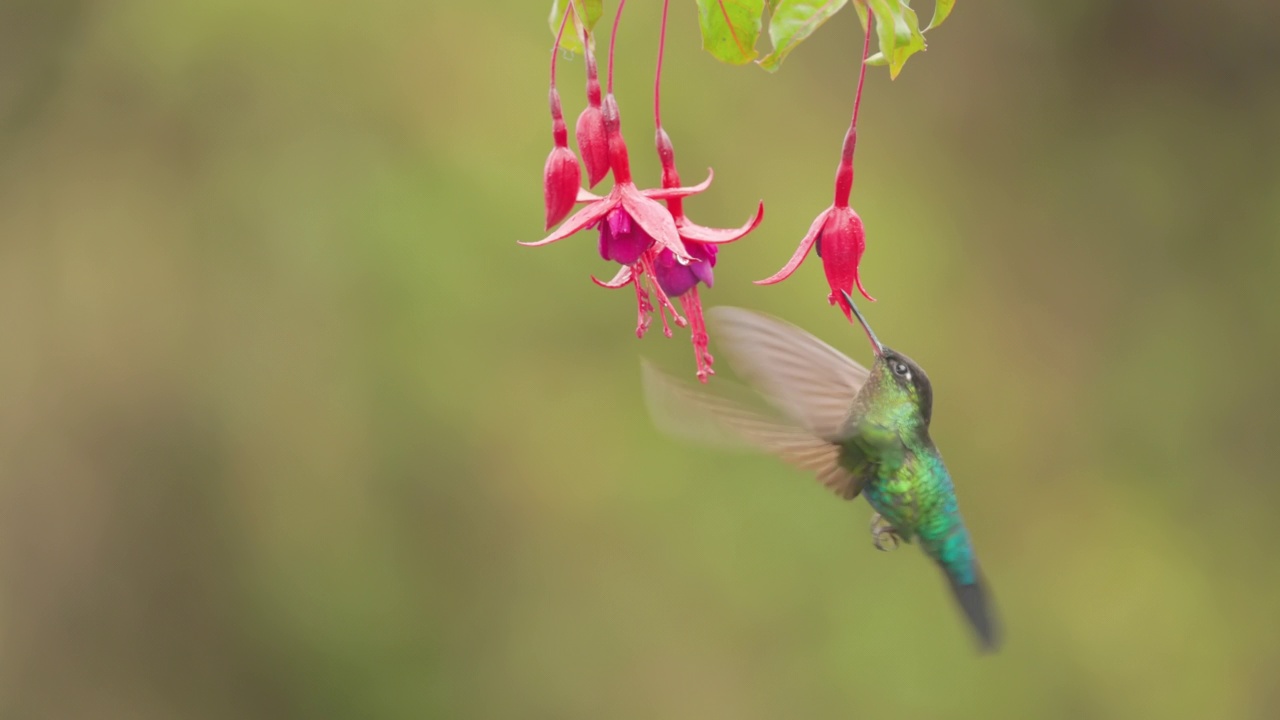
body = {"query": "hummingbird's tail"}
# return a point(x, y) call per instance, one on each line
point(975, 601)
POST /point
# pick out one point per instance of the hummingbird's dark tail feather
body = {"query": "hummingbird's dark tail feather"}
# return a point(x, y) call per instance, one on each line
point(976, 603)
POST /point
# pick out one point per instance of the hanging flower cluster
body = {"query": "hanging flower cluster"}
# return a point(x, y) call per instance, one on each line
point(659, 249)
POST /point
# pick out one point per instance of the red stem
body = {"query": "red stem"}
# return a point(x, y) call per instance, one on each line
point(657, 77)
point(613, 41)
point(844, 172)
point(862, 71)
point(666, 153)
point(555, 49)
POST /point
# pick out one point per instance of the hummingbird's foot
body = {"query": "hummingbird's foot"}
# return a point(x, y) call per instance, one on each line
point(883, 536)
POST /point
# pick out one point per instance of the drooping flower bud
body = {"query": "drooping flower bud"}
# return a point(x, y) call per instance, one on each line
point(561, 176)
point(560, 180)
point(593, 141)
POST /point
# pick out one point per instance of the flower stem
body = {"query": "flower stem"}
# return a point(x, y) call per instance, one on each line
point(666, 153)
point(555, 49)
point(613, 41)
point(657, 76)
point(844, 172)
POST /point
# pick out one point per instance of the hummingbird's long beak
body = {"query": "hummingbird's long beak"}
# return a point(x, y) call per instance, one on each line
point(875, 343)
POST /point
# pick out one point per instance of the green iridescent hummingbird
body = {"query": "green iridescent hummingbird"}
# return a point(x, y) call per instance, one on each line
point(860, 431)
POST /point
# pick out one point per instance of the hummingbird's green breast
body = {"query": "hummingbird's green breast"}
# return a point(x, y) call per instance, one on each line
point(919, 500)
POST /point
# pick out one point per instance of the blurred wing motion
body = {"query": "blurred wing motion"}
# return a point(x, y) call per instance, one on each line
point(807, 379)
point(696, 413)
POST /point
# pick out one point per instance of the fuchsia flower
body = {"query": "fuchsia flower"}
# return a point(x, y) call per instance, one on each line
point(561, 177)
point(635, 230)
point(840, 240)
point(837, 233)
point(646, 223)
point(674, 277)
point(593, 142)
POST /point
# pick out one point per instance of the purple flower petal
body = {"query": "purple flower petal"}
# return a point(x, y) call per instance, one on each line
point(701, 269)
point(621, 239)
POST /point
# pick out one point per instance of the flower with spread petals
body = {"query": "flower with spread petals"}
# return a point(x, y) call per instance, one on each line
point(840, 240)
point(675, 277)
point(641, 208)
point(837, 233)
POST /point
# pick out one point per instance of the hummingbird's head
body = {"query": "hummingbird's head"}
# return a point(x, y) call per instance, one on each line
point(895, 376)
point(900, 377)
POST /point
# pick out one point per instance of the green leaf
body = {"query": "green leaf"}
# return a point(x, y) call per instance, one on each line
point(898, 31)
point(730, 28)
point(941, 9)
point(792, 22)
point(909, 39)
point(586, 13)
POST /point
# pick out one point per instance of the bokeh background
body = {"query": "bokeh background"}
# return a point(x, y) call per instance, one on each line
point(290, 427)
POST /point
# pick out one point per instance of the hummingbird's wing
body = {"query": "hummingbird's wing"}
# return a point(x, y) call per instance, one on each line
point(810, 381)
point(690, 412)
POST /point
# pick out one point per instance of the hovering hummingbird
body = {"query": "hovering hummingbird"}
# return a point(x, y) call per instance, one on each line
point(860, 431)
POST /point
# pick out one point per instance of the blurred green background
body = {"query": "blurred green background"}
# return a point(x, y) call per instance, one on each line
point(290, 427)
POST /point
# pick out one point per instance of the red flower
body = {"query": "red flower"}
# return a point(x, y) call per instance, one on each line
point(673, 276)
point(593, 142)
point(640, 206)
point(560, 177)
point(840, 240)
point(838, 232)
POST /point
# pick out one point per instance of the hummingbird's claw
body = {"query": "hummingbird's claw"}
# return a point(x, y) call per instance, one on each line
point(883, 536)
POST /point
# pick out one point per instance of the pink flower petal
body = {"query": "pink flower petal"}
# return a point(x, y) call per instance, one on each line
point(805, 244)
point(655, 220)
point(622, 279)
point(586, 197)
point(858, 281)
point(697, 233)
point(584, 218)
point(679, 192)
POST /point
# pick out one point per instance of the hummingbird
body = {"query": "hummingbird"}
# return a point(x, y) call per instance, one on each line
point(861, 432)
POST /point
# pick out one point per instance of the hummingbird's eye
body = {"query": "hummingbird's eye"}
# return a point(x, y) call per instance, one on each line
point(900, 369)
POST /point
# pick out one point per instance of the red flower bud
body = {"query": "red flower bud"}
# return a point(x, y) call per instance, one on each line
point(561, 176)
point(593, 140)
point(560, 181)
point(593, 143)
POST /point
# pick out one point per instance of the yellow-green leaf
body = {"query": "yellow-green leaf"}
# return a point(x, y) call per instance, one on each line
point(898, 32)
point(586, 13)
point(941, 9)
point(792, 22)
point(730, 28)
